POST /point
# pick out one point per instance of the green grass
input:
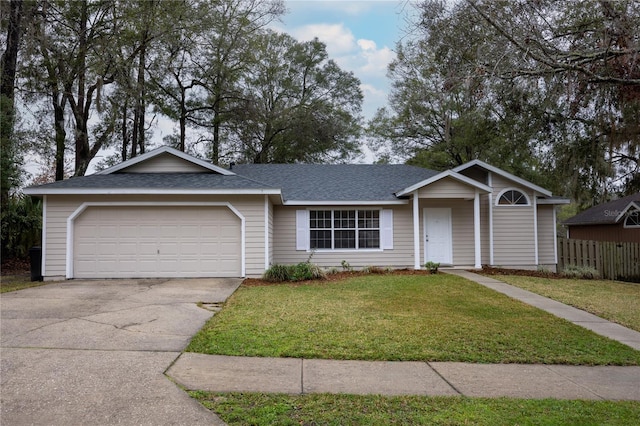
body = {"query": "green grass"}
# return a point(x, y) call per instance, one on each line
point(400, 317)
point(323, 409)
point(18, 282)
point(613, 300)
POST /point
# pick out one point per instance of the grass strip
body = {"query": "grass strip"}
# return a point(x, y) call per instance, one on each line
point(325, 409)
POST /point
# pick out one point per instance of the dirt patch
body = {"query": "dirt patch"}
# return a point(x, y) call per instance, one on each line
point(520, 272)
point(340, 276)
point(15, 266)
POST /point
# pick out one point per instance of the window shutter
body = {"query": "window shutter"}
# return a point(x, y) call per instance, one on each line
point(302, 229)
point(386, 229)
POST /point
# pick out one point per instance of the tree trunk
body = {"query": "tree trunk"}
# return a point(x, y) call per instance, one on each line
point(81, 136)
point(7, 89)
point(60, 134)
point(125, 134)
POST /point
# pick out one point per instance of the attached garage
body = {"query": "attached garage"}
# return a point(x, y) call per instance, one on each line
point(156, 241)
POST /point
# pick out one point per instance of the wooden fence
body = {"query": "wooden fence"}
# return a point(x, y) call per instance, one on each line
point(612, 260)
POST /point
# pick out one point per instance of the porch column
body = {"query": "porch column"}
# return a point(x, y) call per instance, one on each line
point(476, 229)
point(416, 231)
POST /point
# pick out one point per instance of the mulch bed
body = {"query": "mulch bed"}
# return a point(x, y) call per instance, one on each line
point(520, 272)
point(256, 282)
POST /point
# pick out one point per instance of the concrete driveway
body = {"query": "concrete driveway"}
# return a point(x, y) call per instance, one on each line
point(95, 352)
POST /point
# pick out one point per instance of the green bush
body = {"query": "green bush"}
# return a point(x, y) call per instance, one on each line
point(300, 272)
point(584, 272)
point(21, 225)
point(432, 267)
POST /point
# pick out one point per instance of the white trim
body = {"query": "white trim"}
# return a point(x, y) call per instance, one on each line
point(168, 150)
point(555, 238)
point(625, 210)
point(303, 237)
point(342, 203)
point(144, 191)
point(85, 205)
point(439, 176)
point(490, 181)
point(43, 261)
point(511, 188)
point(501, 172)
point(425, 218)
point(266, 232)
point(381, 242)
point(416, 231)
point(535, 230)
point(476, 230)
point(386, 229)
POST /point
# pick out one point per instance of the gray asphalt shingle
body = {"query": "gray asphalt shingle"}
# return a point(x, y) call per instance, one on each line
point(605, 213)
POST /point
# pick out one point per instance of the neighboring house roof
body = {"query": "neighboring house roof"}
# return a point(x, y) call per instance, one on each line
point(154, 183)
point(309, 183)
point(606, 213)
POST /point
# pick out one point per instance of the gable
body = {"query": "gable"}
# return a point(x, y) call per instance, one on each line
point(447, 188)
point(165, 163)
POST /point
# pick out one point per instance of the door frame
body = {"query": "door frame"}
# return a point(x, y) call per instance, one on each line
point(425, 218)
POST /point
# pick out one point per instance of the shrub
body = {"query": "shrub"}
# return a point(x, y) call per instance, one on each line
point(21, 225)
point(584, 272)
point(432, 267)
point(277, 273)
point(346, 266)
point(373, 270)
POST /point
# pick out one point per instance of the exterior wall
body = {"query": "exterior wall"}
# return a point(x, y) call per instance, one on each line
point(513, 228)
point(165, 163)
point(615, 232)
point(447, 188)
point(485, 257)
point(401, 256)
point(462, 228)
point(546, 243)
point(59, 208)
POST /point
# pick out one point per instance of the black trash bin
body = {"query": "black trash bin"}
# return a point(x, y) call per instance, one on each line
point(35, 255)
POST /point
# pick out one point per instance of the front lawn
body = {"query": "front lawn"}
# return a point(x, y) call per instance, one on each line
point(261, 409)
point(613, 300)
point(399, 317)
point(18, 282)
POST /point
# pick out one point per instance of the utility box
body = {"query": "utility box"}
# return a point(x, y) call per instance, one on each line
point(35, 255)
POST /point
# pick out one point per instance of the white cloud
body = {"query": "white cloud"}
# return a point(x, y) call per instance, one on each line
point(339, 40)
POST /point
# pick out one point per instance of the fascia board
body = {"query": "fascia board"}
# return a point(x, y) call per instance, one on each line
point(447, 173)
point(343, 203)
point(145, 191)
point(502, 173)
point(168, 150)
point(553, 201)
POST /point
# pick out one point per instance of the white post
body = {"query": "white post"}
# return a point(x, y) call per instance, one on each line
point(535, 228)
point(490, 183)
point(266, 232)
point(476, 229)
point(416, 231)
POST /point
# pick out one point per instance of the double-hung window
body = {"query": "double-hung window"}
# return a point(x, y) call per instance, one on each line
point(344, 229)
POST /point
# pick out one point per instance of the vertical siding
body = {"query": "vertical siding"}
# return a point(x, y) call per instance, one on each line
point(616, 232)
point(546, 255)
point(513, 228)
point(484, 229)
point(166, 163)
point(59, 208)
point(401, 256)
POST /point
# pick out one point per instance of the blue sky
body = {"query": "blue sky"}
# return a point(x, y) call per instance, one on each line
point(360, 36)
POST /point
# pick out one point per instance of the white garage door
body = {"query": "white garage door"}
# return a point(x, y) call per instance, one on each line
point(159, 241)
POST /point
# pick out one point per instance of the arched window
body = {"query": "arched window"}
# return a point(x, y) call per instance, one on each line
point(632, 219)
point(512, 197)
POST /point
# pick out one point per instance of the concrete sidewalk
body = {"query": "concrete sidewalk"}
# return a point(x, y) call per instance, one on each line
point(300, 376)
point(583, 319)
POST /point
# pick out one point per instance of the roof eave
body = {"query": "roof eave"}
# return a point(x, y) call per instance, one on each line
point(143, 191)
point(504, 174)
point(553, 201)
point(343, 202)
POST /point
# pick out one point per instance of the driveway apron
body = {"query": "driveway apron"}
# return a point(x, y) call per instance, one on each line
point(95, 352)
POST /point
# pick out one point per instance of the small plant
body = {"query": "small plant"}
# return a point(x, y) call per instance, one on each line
point(277, 273)
point(305, 271)
point(577, 271)
point(332, 271)
point(346, 267)
point(373, 270)
point(432, 267)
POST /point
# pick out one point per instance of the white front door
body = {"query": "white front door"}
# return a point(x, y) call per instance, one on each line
point(438, 246)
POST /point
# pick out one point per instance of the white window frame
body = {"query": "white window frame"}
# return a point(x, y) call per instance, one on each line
point(628, 214)
point(501, 193)
point(356, 230)
point(385, 229)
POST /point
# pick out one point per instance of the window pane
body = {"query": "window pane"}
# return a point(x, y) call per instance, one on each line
point(345, 239)
point(319, 219)
point(368, 219)
point(513, 197)
point(320, 239)
point(369, 239)
point(344, 219)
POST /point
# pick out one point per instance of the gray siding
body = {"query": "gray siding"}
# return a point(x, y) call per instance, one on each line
point(447, 188)
point(401, 256)
point(165, 163)
point(59, 208)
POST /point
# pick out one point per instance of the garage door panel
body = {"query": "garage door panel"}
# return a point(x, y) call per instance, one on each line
point(160, 241)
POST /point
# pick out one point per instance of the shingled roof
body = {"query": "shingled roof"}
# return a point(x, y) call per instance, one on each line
point(336, 182)
point(606, 213)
